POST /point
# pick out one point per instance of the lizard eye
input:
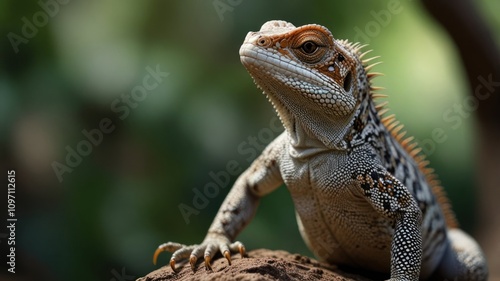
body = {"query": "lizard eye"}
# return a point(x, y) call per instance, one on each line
point(309, 47)
point(264, 41)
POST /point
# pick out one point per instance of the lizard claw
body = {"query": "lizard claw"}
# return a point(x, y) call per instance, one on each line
point(242, 250)
point(238, 246)
point(227, 255)
point(166, 247)
point(180, 252)
point(156, 254)
point(172, 265)
point(207, 263)
point(192, 262)
point(207, 249)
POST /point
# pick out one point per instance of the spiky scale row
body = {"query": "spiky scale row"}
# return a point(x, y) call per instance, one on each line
point(364, 54)
point(370, 59)
point(408, 143)
point(377, 96)
point(383, 111)
point(414, 151)
point(367, 68)
point(381, 105)
point(373, 75)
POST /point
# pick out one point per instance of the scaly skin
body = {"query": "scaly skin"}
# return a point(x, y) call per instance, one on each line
point(363, 195)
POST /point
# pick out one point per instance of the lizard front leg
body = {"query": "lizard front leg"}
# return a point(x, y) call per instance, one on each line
point(236, 211)
point(392, 199)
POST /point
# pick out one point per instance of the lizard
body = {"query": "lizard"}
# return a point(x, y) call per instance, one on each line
point(364, 194)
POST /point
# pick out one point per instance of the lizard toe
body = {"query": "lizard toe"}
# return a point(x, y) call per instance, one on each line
point(172, 265)
point(209, 254)
point(208, 249)
point(197, 253)
point(238, 247)
point(207, 263)
point(166, 247)
point(179, 255)
point(192, 262)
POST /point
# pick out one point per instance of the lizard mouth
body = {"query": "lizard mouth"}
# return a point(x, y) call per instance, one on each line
point(256, 59)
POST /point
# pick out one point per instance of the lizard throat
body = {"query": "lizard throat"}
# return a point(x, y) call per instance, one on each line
point(310, 135)
point(309, 125)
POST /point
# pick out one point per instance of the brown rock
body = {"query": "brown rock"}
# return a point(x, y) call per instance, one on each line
point(260, 264)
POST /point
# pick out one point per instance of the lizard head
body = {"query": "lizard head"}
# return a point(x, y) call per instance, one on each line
point(304, 70)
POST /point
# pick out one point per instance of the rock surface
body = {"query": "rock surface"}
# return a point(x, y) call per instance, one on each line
point(260, 264)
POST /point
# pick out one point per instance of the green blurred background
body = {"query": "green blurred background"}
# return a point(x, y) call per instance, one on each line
point(110, 213)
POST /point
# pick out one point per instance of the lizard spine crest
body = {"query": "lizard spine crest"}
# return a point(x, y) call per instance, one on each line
point(396, 129)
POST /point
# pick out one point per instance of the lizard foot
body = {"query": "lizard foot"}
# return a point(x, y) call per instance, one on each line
point(207, 250)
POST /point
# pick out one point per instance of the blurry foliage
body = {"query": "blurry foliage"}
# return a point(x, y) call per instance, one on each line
point(122, 201)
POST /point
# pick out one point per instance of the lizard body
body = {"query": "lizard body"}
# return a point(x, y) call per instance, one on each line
point(364, 196)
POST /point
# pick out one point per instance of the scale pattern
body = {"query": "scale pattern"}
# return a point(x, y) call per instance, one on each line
point(364, 195)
